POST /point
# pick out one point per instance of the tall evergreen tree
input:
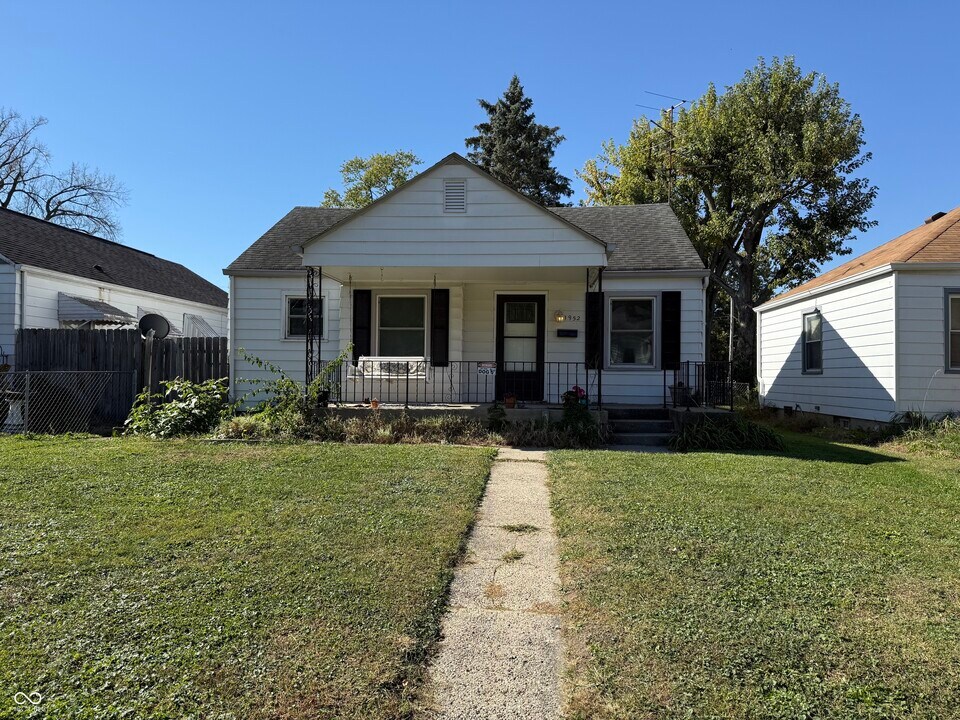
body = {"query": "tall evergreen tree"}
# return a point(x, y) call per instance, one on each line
point(517, 150)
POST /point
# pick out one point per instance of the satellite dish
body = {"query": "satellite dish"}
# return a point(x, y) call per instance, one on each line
point(158, 323)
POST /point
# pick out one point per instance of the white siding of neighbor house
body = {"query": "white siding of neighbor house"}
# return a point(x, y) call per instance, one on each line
point(923, 384)
point(498, 229)
point(859, 368)
point(9, 307)
point(41, 300)
point(258, 311)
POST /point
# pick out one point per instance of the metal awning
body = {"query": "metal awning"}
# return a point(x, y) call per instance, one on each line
point(196, 326)
point(72, 309)
point(174, 330)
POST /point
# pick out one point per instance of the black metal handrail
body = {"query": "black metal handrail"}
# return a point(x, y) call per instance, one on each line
point(692, 384)
point(414, 381)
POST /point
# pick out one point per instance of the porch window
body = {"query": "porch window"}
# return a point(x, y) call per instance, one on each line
point(812, 343)
point(631, 332)
point(296, 316)
point(401, 330)
point(953, 331)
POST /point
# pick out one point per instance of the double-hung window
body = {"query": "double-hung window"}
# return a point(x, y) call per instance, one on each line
point(401, 331)
point(953, 330)
point(631, 332)
point(813, 343)
point(295, 322)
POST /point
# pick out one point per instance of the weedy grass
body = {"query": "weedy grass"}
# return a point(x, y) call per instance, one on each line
point(819, 582)
point(513, 556)
point(181, 579)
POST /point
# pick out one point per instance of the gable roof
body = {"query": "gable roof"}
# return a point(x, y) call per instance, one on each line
point(26, 240)
point(451, 159)
point(637, 237)
point(936, 241)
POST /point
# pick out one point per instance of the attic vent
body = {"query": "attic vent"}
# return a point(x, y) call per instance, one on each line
point(454, 196)
point(933, 218)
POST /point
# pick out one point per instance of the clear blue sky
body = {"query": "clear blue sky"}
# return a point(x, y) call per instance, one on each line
point(219, 117)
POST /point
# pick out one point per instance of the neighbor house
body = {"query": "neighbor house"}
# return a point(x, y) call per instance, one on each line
point(875, 336)
point(54, 277)
point(454, 288)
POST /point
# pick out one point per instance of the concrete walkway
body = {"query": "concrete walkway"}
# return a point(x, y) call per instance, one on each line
point(501, 651)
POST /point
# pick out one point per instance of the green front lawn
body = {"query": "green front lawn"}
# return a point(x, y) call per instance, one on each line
point(821, 583)
point(179, 579)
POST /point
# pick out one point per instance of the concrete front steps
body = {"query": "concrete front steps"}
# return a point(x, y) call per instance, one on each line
point(640, 425)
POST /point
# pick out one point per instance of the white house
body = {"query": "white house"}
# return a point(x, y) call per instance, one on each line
point(875, 336)
point(454, 288)
point(54, 277)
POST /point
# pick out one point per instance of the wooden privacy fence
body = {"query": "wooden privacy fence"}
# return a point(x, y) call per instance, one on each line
point(122, 352)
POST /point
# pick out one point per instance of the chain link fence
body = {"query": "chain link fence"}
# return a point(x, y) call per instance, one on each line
point(62, 401)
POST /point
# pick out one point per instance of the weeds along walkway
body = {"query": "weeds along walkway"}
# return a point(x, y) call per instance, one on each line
point(501, 652)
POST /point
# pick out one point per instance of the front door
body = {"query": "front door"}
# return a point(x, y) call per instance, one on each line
point(520, 342)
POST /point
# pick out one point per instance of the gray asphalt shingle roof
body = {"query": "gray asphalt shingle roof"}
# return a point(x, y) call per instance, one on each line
point(639, 237)
point(27, 240)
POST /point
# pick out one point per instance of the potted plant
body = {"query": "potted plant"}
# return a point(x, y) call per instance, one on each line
point(575, 396)
point(375, 404)
point(509, 400)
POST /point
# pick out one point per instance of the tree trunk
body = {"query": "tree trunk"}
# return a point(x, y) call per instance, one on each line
point(744, 345)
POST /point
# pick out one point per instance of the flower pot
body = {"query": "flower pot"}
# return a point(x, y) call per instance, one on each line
point(509, 401)
point(374, 404)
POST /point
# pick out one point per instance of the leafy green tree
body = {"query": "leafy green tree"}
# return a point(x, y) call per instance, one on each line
point(517, 150)
point(762, 176)
point(366, 179)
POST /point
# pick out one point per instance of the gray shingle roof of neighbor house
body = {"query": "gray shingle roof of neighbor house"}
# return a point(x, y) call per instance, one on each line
point(638, 237)
point(27, 240)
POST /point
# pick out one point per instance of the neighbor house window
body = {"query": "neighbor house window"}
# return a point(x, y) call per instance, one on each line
point(402, 326)
point(812, 343)
point(631, 331)
point(296, 320)
point(953, 331)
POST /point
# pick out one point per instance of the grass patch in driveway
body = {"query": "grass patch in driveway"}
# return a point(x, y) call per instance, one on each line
point(180, 579)
point(823, 582)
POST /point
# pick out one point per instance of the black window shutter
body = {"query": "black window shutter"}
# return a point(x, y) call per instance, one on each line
point(440, 327)
point(593, 337)
point(362, 306)
point(670, 330)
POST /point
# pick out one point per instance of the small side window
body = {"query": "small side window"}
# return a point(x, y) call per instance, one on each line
point(296, 317)
point(813, 343)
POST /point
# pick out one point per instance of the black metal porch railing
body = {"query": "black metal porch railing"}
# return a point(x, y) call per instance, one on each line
point(413, 381)
point(699, 384)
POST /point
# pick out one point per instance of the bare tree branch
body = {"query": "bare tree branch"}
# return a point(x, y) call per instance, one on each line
point(82, 198)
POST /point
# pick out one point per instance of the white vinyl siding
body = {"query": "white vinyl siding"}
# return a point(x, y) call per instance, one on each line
point(924, 384)
point(258, 316)
point(858, 358)
point(498, 229)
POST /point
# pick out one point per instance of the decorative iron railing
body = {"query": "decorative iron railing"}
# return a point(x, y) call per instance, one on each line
point(414, 381)
point(699, 384)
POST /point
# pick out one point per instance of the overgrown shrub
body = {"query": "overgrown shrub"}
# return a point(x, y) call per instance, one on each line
point(730, 433)
point(935, 436)
point(372, 427)
point(284, 397)
point(183, 408)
